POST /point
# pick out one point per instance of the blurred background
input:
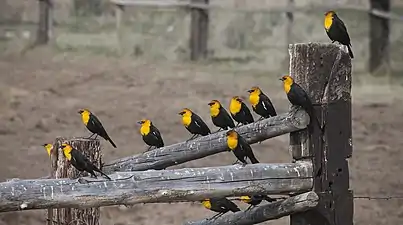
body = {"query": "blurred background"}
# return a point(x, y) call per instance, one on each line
point(126, 63)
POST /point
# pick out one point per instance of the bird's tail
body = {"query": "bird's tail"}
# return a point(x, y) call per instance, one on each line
point(253, 159)
point(110, 140)
point(313, 119)
point(350, 51)
point(105, 175)
point(233, 207)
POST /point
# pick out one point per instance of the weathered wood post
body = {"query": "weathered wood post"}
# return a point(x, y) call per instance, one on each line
point(44, 29)
point(199, 30)
point(324, 71)
point(119, 12)
point(379, 38)
point(62, 169)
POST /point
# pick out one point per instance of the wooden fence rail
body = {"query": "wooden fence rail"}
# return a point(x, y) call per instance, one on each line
point(189, 184)
point(208, 145)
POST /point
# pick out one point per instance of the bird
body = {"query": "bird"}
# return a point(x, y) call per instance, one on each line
point(79, 161)
point(261, 104)
point(219, 205)
point(151, 135)
point(94, 125)
point(255, 200)
point(337, 30)
point(241, 149)
point(220, 116)
point(49, 148)
point(240, 112)
point(194, 123)
point(298, 97)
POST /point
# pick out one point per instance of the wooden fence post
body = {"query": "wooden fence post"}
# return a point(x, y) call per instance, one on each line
point(119, 12)
point(324, 71)
point(62, 169)
point(379, 37)
point(198, 30)
point(43, 32)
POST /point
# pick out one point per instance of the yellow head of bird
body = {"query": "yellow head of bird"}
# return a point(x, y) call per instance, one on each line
point(245, 199)
point(232, 139)
point(49, 148)
point(82, 111)
point(287, 79)
point(232, 134)
point(287, 82)
point(215, 106)
point(145, 126)
point(237, 99)
point(206, 203)
point(144, 122)
point(66, 150)
point(185, 112)
point(235, 105)
point(254, 95)
point(328, 20)
point(255, 90)
point(330, 13)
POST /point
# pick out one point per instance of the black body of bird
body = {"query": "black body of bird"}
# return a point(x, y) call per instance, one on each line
point(220, 116)
point(220, 205)
point(337, 30)
point(261, 104)
point(194, 123)
point(240, 112)
point(151, 135)
point(298, 97)
point(94, 125)
point(79, 161)
point(241, 149)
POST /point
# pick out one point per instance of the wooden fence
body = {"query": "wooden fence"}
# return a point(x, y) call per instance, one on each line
point(379, 12)
point(316, 182)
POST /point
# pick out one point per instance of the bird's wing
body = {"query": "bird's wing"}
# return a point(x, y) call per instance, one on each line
point(230, 205)
point(156, 133)
point(200, 123)
point(267, 104)
point(244, 145)
point(343, 28)
point(95, 121)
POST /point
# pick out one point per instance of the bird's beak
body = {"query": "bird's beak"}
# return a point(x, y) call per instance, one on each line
point(79, 111)
point(250, 91)
point(281, 79)
point(139, 122)
point(180, 113)
point(210, 103)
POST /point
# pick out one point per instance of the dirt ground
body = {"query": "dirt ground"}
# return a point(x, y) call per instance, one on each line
point(41, 92)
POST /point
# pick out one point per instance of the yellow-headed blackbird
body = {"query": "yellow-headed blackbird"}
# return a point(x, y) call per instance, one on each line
point(220, 205)
point(241, 149)
point(151, 135)
point(49, 148)
point(298, 97)
point(79, 161)
point(94, 125)
point(337, 31)
point(239, 111)
point(220, 116)
point(255, 200)
point(194, 123)
point(261, 104)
